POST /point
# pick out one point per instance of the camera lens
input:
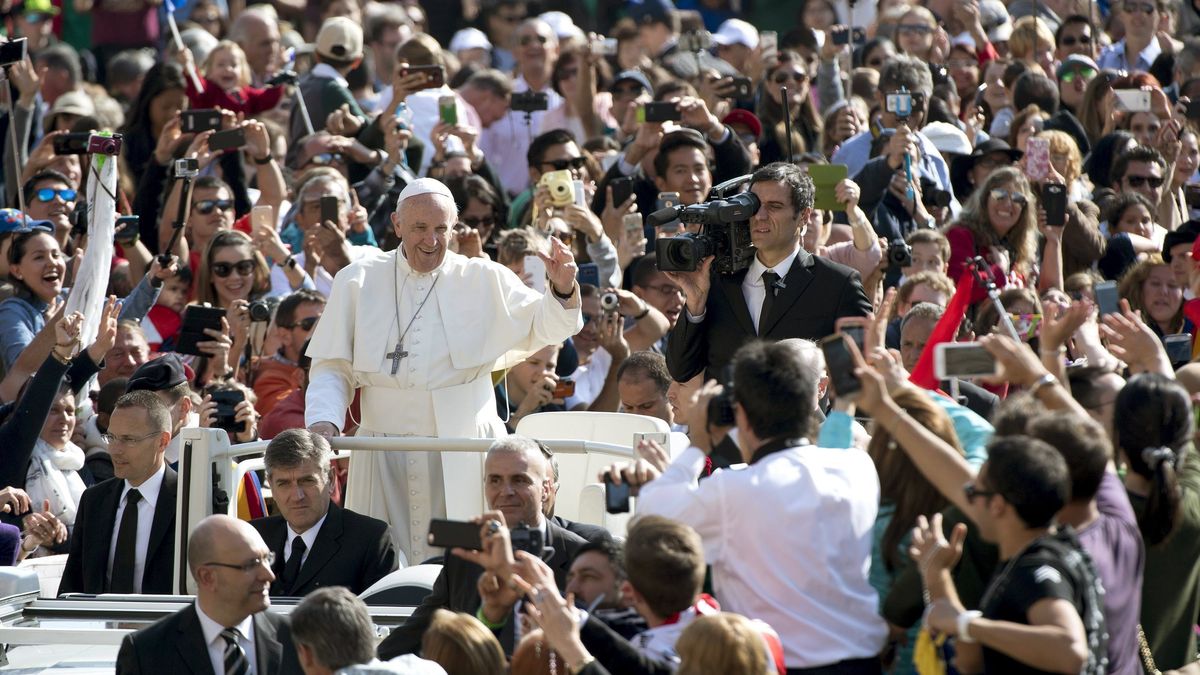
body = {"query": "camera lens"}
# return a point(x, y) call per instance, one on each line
point(609, 302)
point(260, 311)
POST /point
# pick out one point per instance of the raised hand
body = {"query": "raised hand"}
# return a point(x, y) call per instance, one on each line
point(560, 266)
point(106, 334)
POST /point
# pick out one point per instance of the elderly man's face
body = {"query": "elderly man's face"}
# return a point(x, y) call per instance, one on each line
point(261, 44)
point(422, 223)
point(913, 337)
point(309, 214)
point(515, 483)
point(129, 351)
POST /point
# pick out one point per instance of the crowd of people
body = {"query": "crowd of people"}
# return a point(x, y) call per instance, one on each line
point(898, 175)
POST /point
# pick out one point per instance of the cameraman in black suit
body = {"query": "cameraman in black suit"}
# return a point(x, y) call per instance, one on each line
point(785, 293)
point(316, 542)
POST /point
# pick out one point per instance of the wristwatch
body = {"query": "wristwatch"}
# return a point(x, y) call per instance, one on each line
point(1041, 383)
point(963, 623)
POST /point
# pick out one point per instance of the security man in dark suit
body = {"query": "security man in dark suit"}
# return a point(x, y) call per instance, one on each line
point(785, 293)
point(316, 542)
point(228, 630)
point(124, 534)
point(517, 482)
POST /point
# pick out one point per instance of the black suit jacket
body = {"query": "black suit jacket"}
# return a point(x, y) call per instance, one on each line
point(591, 533)
point(350, 550)
point(87, 562)
point(455, 589)
point(175, 644)
point(980, 401)
point(816, 293)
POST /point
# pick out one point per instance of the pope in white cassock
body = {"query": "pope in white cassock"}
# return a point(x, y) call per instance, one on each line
point(419, 330)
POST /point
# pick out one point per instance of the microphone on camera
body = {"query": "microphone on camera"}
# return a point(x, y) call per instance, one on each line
point(664, 216)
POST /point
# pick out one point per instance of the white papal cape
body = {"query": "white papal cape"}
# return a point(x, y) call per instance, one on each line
point(480, 317)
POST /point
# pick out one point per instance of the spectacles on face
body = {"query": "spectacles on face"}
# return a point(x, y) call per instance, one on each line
point(972, 492)
point(783, 76)
point(305, 324)
point(476, 223)
point(244, 268)
point(1085, 74)
point(1013, 196)
point(530, 39)
point(1143, 7)
point(1071, 40)
point(48, 194)
point(112, 440)
point(566, 163)
point(327, 158)
point(207, 206)
point(1139, 181)
point(918, 28)
point(249, 567)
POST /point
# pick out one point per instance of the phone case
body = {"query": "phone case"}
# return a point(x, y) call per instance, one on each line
point(1037, 159)
point(454, 534)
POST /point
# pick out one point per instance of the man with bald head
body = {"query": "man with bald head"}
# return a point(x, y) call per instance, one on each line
point(228, 630)
point(418, 331)
point(257, 32)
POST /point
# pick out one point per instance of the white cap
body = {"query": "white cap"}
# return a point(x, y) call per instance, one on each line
point(947, 138)
point(340, 38)
point(562, 25)
point(736, 31)
point(469, 38)
point(424, 186)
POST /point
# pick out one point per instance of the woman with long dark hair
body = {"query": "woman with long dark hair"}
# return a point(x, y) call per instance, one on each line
point(163, 94)
point(792, 72)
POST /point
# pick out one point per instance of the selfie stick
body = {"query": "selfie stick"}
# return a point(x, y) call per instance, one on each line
point(787, 122)
point(12, 138)
point(304, 109)
point(181, 216)
point(983, 276)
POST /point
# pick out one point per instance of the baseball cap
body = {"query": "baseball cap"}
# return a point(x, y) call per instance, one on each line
point(12, 220)
point(1075, 62)
point(340, 38)
point(736, 31)
point(745, 118)
point(469, 38)
point(160, 374)
point(994, 18)
point(634, 75)
point(651, 11)
point(37, 7)
point(1188, 233)
point(562, 25)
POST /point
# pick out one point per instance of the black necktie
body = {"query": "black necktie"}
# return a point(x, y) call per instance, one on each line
point(126, 555)
point(769, 279)
point(292, 569)
point(235, 659)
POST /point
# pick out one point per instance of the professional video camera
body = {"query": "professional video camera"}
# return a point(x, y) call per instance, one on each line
point(724, 233)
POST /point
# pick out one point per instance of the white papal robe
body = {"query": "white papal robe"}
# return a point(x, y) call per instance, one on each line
point(480, 317)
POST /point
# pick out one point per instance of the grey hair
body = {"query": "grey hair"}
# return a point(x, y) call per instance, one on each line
point(237, 31)
point(336, 626)
point(294, 447)
point(524, 445)
point(156, 411)
point(343, 188)
point(922, 310)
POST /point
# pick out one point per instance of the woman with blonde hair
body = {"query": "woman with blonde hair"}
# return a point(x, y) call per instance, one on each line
point(462, 645)
point(724, 643)
point(1032, 42)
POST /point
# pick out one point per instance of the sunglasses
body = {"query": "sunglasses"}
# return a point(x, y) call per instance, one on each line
point(1026, 324)
point(564, 164)
point(1011, 195)
point(1084, 74)
point(1143, 7)
point(35, 17)
point(303, 324)
point(485, 221)
point(1139, 181)
point(530, 39)
point(327, 158)
point(207, 206)
point(223, 269)
point(919, 28)
point(48, 194)
point(1071, 40)
point(972, 492)
point(782, 77)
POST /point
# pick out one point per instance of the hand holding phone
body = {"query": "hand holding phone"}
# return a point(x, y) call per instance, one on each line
point(839, 363)
point(1054, 201)
point(1037, 159)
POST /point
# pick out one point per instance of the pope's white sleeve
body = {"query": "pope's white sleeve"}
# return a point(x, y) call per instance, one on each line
point(330, 388)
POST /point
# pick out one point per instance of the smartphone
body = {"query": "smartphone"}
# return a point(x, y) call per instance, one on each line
point(855, 328)
point(768, 42)
point(1191, 194)
point(127, 229)
point(1132, 100)
point(743, 87)
point(1178, 347)
point(616, 497)
point(13, 51)
point(825, 178)
point(229, 139)
point(435, 76)
point(535, 268)
point(841, 36)
point(72, 144)
point(659, 111)
point(580, 195)
point(602, 46)
point(962, 359)
point(660, 437)
point(195, 121)
point(622, 190)
point(530, 101)
point(448, 109)
point(666, 200)
point(454, 534)
point(564, 389)
point(330, 209)
point(634, 228)
point(1037, 159)
point(227, 402)
point(263, 217)
point(1106, 297)
point(840, 365)
point(589, 273)
point(197, 318)
point(1054, 201)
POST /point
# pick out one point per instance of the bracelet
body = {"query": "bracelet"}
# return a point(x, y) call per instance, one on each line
point(575, 669)
point(265, 160)
point(645, 311)
point(963, 622)
point(1062, 349)
point(60, 358)
point(560, 296)
point(490, 625)
point(1041, 383)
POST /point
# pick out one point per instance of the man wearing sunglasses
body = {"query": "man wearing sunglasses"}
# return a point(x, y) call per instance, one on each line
point(50, 196)
point(278, 375)
point(1141, 170)
point(1139, 48)
point(1075, 36)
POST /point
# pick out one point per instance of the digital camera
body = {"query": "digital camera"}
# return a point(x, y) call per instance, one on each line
point(525, 538)
point(104, 145)
point(187, 167)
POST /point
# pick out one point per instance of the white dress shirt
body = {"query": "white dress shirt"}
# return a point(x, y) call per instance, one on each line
point(216, 643)
point(752, 286)
point(309, 536)
point(506, 142)
point(789, 541)
point(149, 489)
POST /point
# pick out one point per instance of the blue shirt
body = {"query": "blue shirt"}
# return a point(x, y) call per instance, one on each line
point(1114, 56)
point(856, 152)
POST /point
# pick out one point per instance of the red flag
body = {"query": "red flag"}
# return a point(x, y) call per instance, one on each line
point(945, 330)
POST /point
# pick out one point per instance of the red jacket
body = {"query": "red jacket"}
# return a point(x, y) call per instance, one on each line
point(247, 100)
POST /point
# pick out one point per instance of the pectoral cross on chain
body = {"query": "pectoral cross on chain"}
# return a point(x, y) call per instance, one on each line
point(396, 356)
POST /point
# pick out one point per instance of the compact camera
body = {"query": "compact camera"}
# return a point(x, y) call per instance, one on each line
point(899, 254)
point(104, 145)
point(561, 185)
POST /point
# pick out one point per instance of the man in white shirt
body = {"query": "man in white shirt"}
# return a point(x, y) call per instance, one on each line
point(228, 628)
point(124, 537)
point(1138, 50)
point(789, 537)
